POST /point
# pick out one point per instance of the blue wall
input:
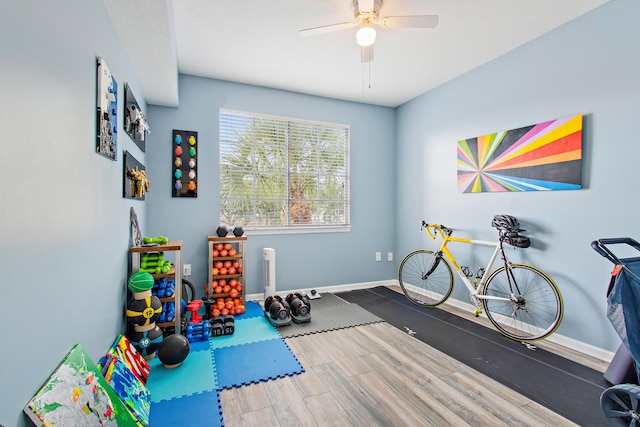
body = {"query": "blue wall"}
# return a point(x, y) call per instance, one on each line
point(303, 261)
point(588, 66)
point(64, 224)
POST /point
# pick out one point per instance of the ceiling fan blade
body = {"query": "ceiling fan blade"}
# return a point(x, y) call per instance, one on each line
point(365, 5)
point(366, 53)
point(325, 29)
point(415, 21)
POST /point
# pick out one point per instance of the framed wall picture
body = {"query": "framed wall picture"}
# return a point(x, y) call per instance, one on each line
point(544, 156)
point(135, 181)
point(184, 167)
point(135, 122)
point(107, 112)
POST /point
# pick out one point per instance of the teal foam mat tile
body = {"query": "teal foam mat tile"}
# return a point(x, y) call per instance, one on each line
point(249, 330)
point(195, 375)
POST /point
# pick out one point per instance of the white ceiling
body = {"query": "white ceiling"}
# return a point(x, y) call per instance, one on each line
point(257, 42)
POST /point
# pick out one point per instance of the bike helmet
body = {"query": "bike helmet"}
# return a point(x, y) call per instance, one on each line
point(506, 223)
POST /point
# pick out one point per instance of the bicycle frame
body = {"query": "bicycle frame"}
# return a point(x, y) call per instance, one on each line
point(474, 289)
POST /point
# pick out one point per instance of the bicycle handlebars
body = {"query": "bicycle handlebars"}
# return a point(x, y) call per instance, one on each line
point(436, 228)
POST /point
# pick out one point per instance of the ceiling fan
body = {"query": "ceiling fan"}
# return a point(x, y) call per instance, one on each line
point(367, 14)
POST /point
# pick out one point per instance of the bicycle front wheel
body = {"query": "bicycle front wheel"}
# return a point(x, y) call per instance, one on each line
point(425, 279)
point(527, 305)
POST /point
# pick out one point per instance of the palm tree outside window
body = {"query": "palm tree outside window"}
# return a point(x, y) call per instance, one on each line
point(283, 173)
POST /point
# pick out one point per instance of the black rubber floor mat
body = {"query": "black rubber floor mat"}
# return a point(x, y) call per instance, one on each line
point(567, 388)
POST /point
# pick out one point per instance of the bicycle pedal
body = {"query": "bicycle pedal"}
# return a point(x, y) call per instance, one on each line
point(477, 312)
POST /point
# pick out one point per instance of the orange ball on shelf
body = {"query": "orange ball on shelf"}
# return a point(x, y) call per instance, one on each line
point(232, 252)
point(226, 289)
point(215, 271)
point(233, 293)
point(215, 253)
point(224, 252)
point(228, 246)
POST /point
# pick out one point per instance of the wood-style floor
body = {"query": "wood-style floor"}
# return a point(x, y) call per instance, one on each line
point(377, 375)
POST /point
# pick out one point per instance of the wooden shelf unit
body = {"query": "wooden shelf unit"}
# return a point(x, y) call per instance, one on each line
point(175, 273)
point(238, 244)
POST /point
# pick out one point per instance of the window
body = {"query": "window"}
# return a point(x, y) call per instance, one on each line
point(280, 173)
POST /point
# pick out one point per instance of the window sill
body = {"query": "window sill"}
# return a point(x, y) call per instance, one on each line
point(297, 230)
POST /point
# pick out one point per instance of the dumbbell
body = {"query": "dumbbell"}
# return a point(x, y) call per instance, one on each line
point(208, 303)
point(217, 327)
point(277, 310)
point(222, 231)
point(229, 325)
point(300, 306)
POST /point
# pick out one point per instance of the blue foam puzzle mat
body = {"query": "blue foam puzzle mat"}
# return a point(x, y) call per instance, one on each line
point(200, 410)
point(253, 310)
point(249, 330)
point(195, 375)
point(255, 362)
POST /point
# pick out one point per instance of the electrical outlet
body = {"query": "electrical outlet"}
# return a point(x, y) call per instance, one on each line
point(378, 256)
point(389, 256)
point(186, 270)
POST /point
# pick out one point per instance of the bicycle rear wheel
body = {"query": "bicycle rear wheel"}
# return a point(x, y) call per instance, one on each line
point(534, 307)
point(420, 288)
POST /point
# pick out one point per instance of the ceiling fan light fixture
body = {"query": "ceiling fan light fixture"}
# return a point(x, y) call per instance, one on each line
point(366, 36)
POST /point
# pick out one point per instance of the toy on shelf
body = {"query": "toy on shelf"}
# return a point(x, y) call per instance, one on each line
point(139, 182)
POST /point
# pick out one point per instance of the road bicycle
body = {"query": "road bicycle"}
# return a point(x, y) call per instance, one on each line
point(520, 300)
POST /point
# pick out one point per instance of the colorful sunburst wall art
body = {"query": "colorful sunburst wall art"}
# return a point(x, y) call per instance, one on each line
point(546, 156)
